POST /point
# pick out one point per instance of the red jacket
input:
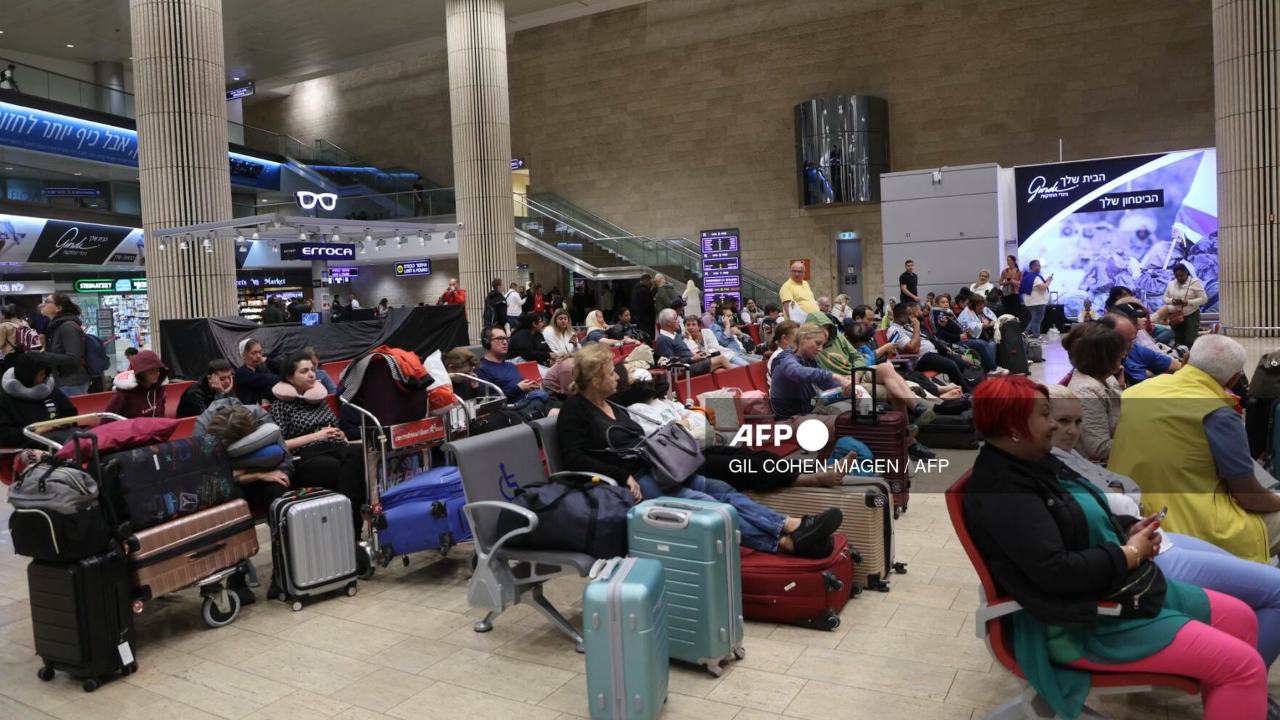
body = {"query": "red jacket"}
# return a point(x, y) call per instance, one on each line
point(131, 400)
point(454, 297)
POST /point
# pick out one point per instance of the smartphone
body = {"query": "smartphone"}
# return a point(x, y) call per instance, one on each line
point(1163, 511)
point(714, 353)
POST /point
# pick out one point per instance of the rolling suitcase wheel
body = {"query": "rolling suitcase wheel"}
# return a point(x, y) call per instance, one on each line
point(45, 673)
point(352, 589)
point(296, 606)
point(365, 562)
point(214, 617)
point(90, 684)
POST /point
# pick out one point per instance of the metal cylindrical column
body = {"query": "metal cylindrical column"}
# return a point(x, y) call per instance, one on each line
point(1246, 79)
point(182, 154)
point(481, 118)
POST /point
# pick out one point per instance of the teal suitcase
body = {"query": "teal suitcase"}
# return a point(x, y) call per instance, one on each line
point(624, 617)
point(697, 543)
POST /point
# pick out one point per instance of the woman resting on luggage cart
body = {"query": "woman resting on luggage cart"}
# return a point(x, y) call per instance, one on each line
point(589, 425)
point(1052, 543)
point(323, 456)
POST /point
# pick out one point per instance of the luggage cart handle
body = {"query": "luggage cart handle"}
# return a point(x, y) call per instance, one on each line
point(497, 391)
point(34, 430)
point(373, 418)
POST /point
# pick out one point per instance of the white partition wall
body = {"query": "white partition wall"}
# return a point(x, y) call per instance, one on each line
point(947, 220)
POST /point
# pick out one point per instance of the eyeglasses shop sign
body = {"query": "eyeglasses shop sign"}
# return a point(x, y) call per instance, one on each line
point(317, 251)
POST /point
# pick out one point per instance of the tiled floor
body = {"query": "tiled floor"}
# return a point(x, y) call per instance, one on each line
point(404, 648)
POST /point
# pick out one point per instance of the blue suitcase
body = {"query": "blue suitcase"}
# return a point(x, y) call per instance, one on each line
point(424, 513)
point(624, 617)
point(697, 543)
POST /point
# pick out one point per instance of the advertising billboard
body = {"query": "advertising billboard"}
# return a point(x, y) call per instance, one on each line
point(1125, 221)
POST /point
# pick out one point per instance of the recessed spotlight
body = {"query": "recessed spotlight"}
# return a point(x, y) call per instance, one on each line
point(235, 79)
point(79, 174)
point(70, 45)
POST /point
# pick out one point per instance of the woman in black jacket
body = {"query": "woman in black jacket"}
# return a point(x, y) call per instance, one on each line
point(1052, 543)
point(253, 381)
point(65, 344)
point(527, 341)
point(28, 395)
point(589, 426)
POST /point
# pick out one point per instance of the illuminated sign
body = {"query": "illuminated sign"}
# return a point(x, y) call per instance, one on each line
point(109, 285)
point(317, 251)
point(721, 265)
point(307, 200)
point(413, 267)
point(261, 282)
point(240, 91)
point(343, 273)
point(517, 163)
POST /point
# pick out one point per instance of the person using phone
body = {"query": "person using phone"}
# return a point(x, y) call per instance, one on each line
point(1181, 557)
point(523, 395)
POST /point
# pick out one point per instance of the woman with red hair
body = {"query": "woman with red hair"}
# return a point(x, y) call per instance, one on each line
point(1051, 542)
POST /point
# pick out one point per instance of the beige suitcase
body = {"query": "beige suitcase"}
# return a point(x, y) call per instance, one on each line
point(867, 505)
point(181, 552)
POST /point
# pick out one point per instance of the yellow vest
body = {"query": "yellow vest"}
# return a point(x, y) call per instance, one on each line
point(1160, 443)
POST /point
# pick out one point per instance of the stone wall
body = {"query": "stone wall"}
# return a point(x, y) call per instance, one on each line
point(676, 115)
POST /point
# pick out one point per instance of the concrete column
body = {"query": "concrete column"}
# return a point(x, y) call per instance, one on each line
point(1246, 54)
point(481, 117)
point(109, 77)
point(182, 154)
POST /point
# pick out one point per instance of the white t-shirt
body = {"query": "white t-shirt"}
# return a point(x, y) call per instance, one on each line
point(515, 305)
point(982, 289)
point(1039, 293)
point(901, 337)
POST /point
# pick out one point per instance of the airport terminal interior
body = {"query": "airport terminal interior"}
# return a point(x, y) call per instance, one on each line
point(637, 359)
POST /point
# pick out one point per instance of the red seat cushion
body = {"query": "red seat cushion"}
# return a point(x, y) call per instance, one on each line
point(91, 402)
point(735, 377)
point(757, 372)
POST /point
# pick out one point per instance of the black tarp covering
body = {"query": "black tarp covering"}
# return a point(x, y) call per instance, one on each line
point(187, 346)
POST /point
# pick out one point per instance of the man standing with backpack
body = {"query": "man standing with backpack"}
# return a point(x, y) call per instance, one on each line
point(16, 336)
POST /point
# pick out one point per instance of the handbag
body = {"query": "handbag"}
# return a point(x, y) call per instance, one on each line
point(1265, 381)
point(671, 452)
point(1142, 594)
point(1176, 317)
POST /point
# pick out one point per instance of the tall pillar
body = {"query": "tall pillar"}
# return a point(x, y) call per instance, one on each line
point(182, 154)
point(481, 116)
point(1246, 54)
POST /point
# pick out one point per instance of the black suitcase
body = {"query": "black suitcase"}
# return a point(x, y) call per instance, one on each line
point(152, 485)
point(1011, 352)
point(82, 617)
point(1055, 316)
point(949, 432)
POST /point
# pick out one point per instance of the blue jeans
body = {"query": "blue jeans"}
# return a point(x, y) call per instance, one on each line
point(986, 352)
point(70, 390)
point(760, 526)
point(1192, 560)
point(1037, 319)
point(739, 361)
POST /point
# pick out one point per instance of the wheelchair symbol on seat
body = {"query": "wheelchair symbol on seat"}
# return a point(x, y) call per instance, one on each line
point(506, 483)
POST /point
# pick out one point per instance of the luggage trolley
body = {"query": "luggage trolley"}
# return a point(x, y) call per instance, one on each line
point(218, 606)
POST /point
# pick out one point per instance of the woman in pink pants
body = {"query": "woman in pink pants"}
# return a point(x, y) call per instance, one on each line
point(1052, 543)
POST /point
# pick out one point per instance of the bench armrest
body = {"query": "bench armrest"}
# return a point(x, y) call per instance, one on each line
point(484, 549)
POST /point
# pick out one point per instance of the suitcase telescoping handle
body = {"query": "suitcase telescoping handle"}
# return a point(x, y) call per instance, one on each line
point(604, 568)
point(872, 418)
point(35, 431)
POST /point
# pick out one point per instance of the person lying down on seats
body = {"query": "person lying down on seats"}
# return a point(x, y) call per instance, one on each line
point(648, 407)
point(588, 425)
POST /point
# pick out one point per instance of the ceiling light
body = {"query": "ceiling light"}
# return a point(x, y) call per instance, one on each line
point(182, 244)
point(78, 174)
point(302, 235)
point(275, 247)
point(257, 233)
point(70, 45)
point(363, 248)
point(404, 240)
point(8, 168)
point(239, 237)
point(450, 235)
point(367, 236)
point(206, 243)
point(163, 245)
point(236, 79)
point(336, 237)
point(378, 245)
point(422, 240)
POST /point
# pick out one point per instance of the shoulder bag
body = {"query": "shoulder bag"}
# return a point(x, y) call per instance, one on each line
point(671, 452)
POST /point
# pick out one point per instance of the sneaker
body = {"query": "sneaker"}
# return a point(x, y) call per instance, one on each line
point(920, 452)
point(813, 537)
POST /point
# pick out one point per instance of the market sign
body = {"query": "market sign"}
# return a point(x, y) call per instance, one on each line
point(110, 285)
point(413, 267)
point(261, 282)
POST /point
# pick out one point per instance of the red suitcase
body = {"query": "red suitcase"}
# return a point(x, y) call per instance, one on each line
point(809, 592)
point(887, 434)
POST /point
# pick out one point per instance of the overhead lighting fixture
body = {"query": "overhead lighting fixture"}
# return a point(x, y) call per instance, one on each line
point(240, 237)
point(275, 247)
point(363, 248)
point(182, 244)
point(70, 45)
point(404, 241)
point(235, 79)
point(78, 174)
point(379, 245)
point(367, 237)
point(302, 235)
point(207, 245)
point(336, 237)
point(422, 240)
point(450, 235)
point(163, 245)
point(257, 233)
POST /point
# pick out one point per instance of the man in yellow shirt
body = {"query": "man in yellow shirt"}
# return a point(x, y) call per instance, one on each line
point(796, 296)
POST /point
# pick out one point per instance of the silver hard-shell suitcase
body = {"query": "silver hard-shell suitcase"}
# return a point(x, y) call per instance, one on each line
point(313, 545)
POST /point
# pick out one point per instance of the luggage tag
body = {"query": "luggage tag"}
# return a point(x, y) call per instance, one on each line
point(126, 653)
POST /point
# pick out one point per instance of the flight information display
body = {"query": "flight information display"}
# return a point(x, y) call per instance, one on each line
point(721, 266)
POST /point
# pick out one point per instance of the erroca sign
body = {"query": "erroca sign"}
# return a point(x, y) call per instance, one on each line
point(317, 251)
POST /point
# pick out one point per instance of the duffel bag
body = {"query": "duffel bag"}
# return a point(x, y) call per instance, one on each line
point(588, 517)
point(57, 515)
